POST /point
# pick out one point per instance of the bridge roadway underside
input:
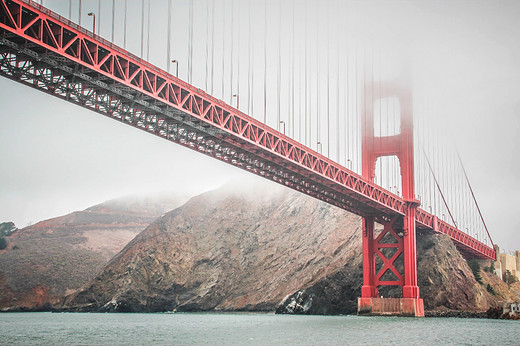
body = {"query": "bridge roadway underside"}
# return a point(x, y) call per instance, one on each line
point(34, 52)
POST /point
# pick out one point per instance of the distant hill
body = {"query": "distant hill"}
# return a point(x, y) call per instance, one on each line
point(263, 248)
point(45, 261)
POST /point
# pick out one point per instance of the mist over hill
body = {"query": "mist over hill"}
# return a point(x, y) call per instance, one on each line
point(52, 258)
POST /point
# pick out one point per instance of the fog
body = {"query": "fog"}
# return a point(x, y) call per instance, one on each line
point(313, 56)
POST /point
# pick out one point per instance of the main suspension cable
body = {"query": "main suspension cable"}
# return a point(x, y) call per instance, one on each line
point(474, 199)
point(439, 188)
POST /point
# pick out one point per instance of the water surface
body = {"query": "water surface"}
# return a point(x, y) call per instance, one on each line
point(245, 328)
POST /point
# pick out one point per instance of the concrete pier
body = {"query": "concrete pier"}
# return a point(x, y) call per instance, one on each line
point(406, 307)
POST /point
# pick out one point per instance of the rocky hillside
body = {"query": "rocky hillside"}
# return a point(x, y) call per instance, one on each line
point(262, 248)
point(50, 259)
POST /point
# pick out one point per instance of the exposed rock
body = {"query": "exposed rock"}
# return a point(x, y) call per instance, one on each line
point(444, 277)
point(266, 248)
point(227, 250)
point(52, 258)
point(445, 281)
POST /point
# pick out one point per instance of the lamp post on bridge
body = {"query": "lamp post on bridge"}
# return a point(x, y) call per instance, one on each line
point(349, 164)
point(176, 68)
point(93, 15)
point(238, 104)
point(282, 123)
point(318, 147)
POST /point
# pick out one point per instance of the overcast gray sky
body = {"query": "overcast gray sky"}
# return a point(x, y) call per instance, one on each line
point(464, 55)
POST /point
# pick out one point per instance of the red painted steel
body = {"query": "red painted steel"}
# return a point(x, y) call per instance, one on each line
point(400, 145)
point(46, 51)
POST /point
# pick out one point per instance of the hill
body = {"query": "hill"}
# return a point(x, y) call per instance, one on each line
point(52, 258)
point(262, 248)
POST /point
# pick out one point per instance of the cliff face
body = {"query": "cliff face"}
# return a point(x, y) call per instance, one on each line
point(50, 259)
point(227, 250)
point(263, 248)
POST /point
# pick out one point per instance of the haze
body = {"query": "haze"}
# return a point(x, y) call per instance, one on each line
point(57, 157)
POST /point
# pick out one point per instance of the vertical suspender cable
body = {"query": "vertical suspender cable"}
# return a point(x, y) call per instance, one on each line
point(113, 18)
point(79, 13)
point(190, 45)
point(223, 46)
point(380, 122)
point(443, 167)
point(169, 38)
point(207, 45)
point(212, 44)
point(99, 16)
point(279, 70)
point(142, 28)
point(348, 107)
point(265, 61)
point(252, 66)
point(231, 53)
point(232, 33)
point(384, 69)
point(148, 33)
point(440, 192)
point(372, 97)
point(356, 115)
point(436, 155)
point(337, 85)
point(328, 81)
point(474, 199)
point(318, 139)
point(300, 105)
point(305, 98)
point(293, 62)
point(249, 77)
point(238, 53)
point(455, 191)
point(70, 9)
point(124, 31)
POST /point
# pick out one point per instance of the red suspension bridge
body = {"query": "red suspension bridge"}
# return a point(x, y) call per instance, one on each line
point(48, 52)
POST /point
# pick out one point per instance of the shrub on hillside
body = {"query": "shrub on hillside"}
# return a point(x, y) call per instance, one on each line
point(3, 243)
point(475, 268)
point(490, 269)
point(490, 289)
point(509, 278)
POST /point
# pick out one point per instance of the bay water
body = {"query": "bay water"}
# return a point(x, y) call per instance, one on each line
point(30, 328)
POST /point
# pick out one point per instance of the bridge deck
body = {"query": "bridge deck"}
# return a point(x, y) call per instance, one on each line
point(46, 51)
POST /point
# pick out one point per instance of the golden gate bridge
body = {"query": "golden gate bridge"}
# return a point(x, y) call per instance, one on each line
point(380, 161)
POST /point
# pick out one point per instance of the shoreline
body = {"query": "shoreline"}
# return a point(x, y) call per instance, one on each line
point(427, 314)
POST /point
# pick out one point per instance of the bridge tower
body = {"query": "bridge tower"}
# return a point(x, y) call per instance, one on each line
point(395, 245)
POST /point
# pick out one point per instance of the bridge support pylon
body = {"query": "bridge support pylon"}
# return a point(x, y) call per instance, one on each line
point(389, 257)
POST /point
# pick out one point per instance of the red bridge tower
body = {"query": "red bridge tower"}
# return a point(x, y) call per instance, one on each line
point(389, 258)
